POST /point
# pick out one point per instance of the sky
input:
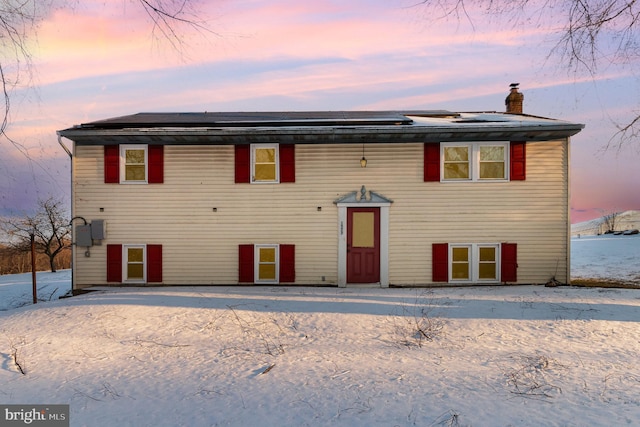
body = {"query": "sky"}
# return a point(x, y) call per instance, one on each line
point(100, 59)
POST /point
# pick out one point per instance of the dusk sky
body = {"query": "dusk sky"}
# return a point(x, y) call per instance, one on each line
point(94, 62)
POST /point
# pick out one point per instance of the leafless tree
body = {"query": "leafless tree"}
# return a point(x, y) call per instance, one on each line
point(590, 34)
point(49, 227)
point(19, 21)
point(610, 221)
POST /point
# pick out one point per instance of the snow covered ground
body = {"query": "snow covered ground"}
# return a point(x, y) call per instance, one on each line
point(606, 257)
point(303, 356)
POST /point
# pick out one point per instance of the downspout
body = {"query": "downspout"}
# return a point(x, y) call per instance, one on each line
point(73, 247)
point(568, 207)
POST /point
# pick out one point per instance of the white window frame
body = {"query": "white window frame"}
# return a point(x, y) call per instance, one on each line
point(256, 261)
point(123, 159)
point(125, 263)
point(474, 160)
point(254, 147)
point(474, 262)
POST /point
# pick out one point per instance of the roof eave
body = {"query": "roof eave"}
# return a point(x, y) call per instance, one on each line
point(321, 135)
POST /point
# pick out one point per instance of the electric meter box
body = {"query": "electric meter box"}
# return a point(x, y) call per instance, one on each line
point(83, 235)
point(98, 229)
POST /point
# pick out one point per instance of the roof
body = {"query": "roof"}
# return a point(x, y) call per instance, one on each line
point(307, 127)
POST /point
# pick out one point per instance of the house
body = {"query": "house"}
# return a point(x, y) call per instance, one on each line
point(335, 198)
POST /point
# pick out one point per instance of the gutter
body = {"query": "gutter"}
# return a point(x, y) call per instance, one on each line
point(64, 147)
point(73, 247)
point(323, 135)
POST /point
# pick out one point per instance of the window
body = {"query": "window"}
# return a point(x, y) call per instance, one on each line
point(266, 263)
point(460, 262)
point(133, 160)
point(134, 164)
point(456, 162)
point(265, 163)
point(134, 263)
point(266, 267)
point(474, 263)
point(478, 161)
point(492, 162)
point(133, 267)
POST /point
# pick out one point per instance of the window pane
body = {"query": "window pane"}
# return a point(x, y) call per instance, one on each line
point(135, 271)
point(134, 157)
point(460, 271)
point(267, 254)
point(492, 162)
point(491, 170)
point(456, 171)
point(456, 154)
point(134, 173)
point(487, 271)
point(135, 255)
point(265, 155)
point(488, 254)
point(265, 172)
point(267, 272)
point(363, 230)
point(488, 153)
point(460, 254)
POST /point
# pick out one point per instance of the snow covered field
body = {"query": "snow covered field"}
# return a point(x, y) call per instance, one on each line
point(606, 257)
point(302, 356)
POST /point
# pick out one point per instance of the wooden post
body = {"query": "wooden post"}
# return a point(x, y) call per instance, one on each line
point(33, 268)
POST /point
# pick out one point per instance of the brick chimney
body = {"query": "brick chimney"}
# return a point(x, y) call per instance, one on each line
point(514, 100)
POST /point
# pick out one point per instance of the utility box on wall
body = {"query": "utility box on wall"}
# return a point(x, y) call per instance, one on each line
point(98, 229)
point(83, 235)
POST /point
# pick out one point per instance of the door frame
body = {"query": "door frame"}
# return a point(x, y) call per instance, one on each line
point(363, 199)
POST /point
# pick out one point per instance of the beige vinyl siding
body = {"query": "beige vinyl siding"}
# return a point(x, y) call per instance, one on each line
point(200, 246)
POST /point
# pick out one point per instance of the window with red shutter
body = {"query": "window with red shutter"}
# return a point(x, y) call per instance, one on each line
point(287, 263)
point(518, 161)
point(156, 164)
point(114, 263)
point(245, 263)
point(154, 263)
point(242, 163)
point(111, 164)
point(431, 162)
point(509, 262)
point(287, 162)
point(440, 262)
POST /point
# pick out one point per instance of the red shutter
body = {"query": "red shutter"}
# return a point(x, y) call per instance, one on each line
point(243, 163)
point(245, 263)
point(440, 262)
point(156, 164)
point(431, 162)
point(287, 263)
point(287, 162)
point(518, 160)
point(114, 263)
point(509, 262)
point(154, 263)
point(111, 164)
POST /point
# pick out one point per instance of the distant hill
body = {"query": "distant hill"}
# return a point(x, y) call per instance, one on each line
point(627, 220)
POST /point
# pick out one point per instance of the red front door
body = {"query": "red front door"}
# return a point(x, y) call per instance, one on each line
point(363, 245)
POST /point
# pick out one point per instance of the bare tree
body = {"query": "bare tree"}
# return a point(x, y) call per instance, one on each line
point(49, 226)
point(610, 221)
point(19, 21)
point(590, 34)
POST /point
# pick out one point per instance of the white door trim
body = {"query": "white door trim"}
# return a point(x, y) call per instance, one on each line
point(369, 200)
